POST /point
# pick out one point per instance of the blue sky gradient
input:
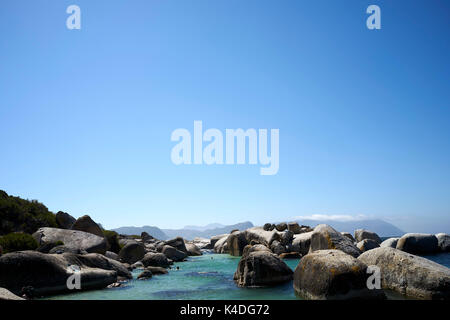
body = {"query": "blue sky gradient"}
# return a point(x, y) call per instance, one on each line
point(364, 117)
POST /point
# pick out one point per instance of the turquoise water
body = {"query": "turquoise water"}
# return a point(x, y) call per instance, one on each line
point(206, 277)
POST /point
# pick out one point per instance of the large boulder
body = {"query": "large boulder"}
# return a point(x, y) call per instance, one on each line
point(333, 274)
point(389, 243)
point(214, 239)
point(408, 274)
point(193, 250)
point(95, 260)
point(86, 224)
point(281, 226)
point(286, 238)
point(277, 247)
point(173, 253)
point(294, 227)
point(112, 255)
point(146, 237)
point(443, 242)
point(367, 244)
point(46, 274)
point(157, 270)
point(201, 243)
point(5, 294)
point(155, 260)
point(236, 242)
point(144, 275)
point(268, 227)
point(325, 237)
point(77, 240)
point(418, 243)
point(177, 243)
point(362, 234)
point(257, 247)
point(302, 242)
point(261, 268)
point(348, 235)
point(259, 235)
point(132, 252)
point(64, 220)
point(221, 245)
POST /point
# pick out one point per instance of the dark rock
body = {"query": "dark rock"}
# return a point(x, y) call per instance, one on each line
point(348, 235)
point(408, 274)
point(146, 274)
point(5, 294)
point(286, 237)
point(261, 268)
point(193, 250)
point(146, 237)
point(277, 247)
point(86, 224)
point(96, 260)
point(217, 238)
point(261, 236)
point(443, 242)
point(236, 242)
point(333, 274)
point(290, 255)
point(367, 244)
point(155, 260)
point(418, 243)
point(173, 253)
point(64, 220)
point(362, 234)
point(294, 227)
point(325, 237)
point(390, 243)
point(221, 245)
point(157, 270)
point(112, 255)
point(65, 249)
point(74, 239)
point(302, 243)
point(132, 252)
point(46, 274)
point(177, 243)
point(267, 227)
point(281, 226)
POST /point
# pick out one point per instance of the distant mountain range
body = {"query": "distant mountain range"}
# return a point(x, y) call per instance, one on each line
point(382, 228)
point(188, 232)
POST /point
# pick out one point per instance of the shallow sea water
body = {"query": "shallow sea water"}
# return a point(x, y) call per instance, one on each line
point(207, 277)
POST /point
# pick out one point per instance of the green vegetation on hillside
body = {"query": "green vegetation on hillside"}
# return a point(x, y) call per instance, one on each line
point(20, 215)
point(17, 242)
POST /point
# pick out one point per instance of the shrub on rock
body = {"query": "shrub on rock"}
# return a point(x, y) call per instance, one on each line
point(17, 241)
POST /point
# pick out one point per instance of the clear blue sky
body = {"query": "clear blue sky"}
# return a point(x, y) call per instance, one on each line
point(364, 116)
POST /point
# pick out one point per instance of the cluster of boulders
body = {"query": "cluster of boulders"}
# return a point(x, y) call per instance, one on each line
point(334, 265)
point(82, 243)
